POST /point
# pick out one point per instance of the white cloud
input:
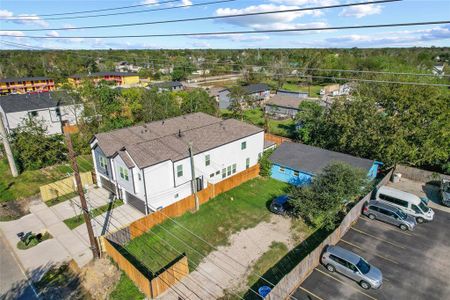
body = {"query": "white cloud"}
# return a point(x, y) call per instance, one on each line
point(201, 45)
point(68, 26)
point(234, 37)
point(186, 2)
point(150, 2)
point(8, 16)
point(53, 33)
point(361, 11)
point(264, 22)
point(12, 33)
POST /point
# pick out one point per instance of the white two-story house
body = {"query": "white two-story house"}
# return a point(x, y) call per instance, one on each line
point(149, 166)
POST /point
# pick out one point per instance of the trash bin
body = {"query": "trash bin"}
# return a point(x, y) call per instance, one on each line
point(264, 290)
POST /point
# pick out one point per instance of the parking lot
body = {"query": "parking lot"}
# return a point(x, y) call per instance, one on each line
point(415, 265)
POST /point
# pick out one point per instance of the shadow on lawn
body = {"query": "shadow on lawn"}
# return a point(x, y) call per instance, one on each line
point(288, 262)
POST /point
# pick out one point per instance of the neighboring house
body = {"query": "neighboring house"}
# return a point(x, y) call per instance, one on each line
point(53, 110)
point(201, 72)
point(336, 90)
point(438, 70)
point(119, 78)
point(124, 66)
point(26, 85)
point(257, 92)
point(297, 163)
point(214, 92)
point(149, 165)
point(284, 105)
point(170, 86)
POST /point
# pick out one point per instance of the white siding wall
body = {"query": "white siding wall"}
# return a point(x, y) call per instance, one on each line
point(71, 113)
point(50, 120)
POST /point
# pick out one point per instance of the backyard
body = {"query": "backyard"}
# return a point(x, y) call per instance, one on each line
point(255, 116)
point(230, 222)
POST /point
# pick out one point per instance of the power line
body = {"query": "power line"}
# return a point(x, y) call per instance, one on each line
point(133, 12)
point(235, 32)
point(89, 11)
point(209, 17)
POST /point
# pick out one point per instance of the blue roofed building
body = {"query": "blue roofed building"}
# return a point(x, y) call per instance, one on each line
point(297, 163)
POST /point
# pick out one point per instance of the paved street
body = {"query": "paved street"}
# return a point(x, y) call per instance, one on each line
point(415, 265)
point(13, 282)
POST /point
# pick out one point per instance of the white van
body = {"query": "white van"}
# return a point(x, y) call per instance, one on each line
point(409, 203)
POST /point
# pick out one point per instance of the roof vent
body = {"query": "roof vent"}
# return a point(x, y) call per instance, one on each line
point(179, 133)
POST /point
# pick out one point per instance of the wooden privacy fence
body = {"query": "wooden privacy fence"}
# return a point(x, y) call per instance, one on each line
point(178, 208)
point(152, 285)
point(296, 277)
point(63, 187)
point(276, 138)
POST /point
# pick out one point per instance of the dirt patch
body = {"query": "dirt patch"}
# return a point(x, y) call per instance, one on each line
point(15, 209)
point(229, 267)
point(99, 278)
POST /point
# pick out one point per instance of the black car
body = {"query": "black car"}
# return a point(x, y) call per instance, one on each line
point(279, 205)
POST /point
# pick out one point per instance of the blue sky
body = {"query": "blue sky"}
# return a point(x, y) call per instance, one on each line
point(397, 12)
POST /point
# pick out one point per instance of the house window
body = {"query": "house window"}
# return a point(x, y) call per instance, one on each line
point(228, 170)
point(211, 175)
point(103, 162)
point(218, 172)
point(179, 170)
point(259, 156)
point(243, 145)
point(224, 173)
point(296, 173)
point(247, 163)
point(282, 170)
point(207, 160)
point(123, 173)
point(234, 168)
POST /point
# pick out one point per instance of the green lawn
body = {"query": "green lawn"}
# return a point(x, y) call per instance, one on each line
point(125, 289)
point(313, 90)
point(255, 116)
point(79, 219)
point(240, 208)
point(28, 182)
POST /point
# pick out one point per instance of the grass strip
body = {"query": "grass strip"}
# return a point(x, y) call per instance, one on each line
point(79, 219)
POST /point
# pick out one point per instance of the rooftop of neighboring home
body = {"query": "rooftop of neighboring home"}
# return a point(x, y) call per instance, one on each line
point(167, 84)
point(29, 102)
point(159, 141)
point(312, 160)
point(99, 74)
point(17, 79)
point(254, 88)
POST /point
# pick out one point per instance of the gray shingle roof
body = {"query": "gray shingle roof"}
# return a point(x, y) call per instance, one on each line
point(285, 101)
point(27, 102)
point(167, 84)
point(256, 88)
point(311, 159)
point(159, 141)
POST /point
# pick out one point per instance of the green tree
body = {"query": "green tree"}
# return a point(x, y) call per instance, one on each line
point(265, 165)
point(159, 105)
point(238, 98)
point(322, 202)
point(198, 100)
point(309, 118)
point(34, 149)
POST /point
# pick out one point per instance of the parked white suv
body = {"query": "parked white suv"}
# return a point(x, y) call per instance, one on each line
point(409, 203)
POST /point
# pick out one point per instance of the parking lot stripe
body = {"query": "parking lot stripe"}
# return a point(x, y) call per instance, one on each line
point(377, 238)
point(391, 227)
point(309, 292)
point(338, 280)
point(381, 256)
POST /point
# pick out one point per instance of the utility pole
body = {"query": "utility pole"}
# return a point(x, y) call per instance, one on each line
point(9, 155)
point(87, 219)
point(194, 188)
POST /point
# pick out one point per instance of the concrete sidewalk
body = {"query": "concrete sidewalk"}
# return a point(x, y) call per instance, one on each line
point(95, 197)
point(110, 221)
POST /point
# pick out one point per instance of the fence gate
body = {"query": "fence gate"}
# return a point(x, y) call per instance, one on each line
point(135, 202)
point(108, 185)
